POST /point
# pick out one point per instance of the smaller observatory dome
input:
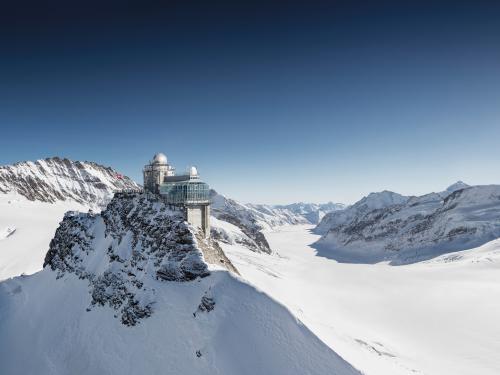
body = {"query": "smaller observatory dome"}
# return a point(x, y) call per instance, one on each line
point(193, 172)
point(160, 158)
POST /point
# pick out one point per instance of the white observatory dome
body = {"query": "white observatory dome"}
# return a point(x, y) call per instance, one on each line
point(193, 172)
point(160, 158)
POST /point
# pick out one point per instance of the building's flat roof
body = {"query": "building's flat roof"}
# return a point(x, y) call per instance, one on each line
point(181, 178)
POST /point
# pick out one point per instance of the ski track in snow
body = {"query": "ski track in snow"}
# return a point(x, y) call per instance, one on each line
point(436, 317)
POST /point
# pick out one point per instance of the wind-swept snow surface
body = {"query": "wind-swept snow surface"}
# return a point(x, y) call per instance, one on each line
point(437, 317)
point(45, 329)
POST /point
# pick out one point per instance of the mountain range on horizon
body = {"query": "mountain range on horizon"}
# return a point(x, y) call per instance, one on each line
point(68, 185)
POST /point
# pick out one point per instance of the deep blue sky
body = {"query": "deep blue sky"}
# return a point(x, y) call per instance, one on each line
point(274, 102)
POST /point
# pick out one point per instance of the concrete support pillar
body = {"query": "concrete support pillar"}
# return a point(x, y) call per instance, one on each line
point(199, 216)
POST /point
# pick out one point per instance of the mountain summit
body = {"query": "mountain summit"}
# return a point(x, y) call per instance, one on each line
point(457, 186)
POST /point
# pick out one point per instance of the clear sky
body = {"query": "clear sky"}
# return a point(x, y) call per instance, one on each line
point(274, 102)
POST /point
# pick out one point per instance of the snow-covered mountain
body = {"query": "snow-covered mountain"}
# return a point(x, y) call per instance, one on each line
point(313, 212)
point(459, 185)
point(366, 204)
point(33, 199)
point(389, 227)
point(55, 179)
point(129, 291)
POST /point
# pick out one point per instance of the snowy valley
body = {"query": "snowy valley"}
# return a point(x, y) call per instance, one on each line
point(434, 317)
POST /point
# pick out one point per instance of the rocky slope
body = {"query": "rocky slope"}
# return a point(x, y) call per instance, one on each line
point(129, 291)
point(55, 179)
point(389, 227)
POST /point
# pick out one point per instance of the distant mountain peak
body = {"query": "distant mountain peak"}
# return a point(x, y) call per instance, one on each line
point(382, 199)
point(457, 186)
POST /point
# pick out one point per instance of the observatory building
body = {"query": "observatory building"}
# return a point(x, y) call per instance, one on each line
point(185, 190)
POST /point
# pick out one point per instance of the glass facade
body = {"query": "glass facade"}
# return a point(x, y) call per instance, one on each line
point(185, 192)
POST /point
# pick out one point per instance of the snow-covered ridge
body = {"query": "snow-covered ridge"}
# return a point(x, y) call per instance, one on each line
point(129, 291)
point(411, 229)
point(55, 179)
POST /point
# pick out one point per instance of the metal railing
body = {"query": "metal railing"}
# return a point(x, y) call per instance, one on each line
point(130, 191)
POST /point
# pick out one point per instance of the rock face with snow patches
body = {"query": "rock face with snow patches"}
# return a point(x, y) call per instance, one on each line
point(55, 179)
point(129, 291)
point(411, 229)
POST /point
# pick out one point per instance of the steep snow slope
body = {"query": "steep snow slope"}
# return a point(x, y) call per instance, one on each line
point(417, 229)
point(437, 317)
point(55, 179)
point(128, 292)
